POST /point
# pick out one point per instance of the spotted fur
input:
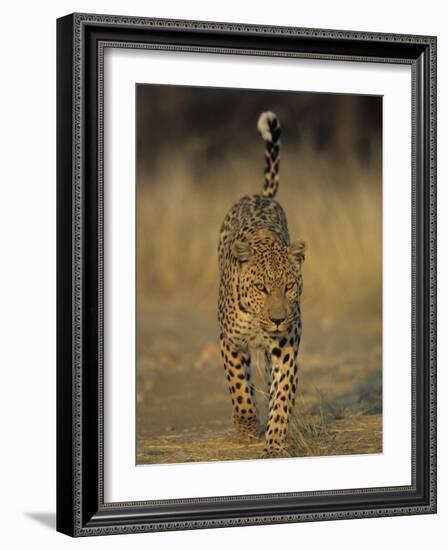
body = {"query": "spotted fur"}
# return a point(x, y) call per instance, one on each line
point(259, 301)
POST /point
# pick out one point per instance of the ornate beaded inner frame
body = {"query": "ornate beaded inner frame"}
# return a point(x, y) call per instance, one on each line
point(82, 40)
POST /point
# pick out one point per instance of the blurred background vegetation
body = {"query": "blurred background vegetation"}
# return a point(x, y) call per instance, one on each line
point(198, 152)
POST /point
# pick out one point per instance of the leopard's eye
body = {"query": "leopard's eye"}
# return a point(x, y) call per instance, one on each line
point(260, 287)
point(290, 285)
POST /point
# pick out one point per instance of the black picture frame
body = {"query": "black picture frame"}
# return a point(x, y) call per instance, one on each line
point(81, 510)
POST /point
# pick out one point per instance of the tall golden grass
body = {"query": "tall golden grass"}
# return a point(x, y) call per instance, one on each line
point(335, 207)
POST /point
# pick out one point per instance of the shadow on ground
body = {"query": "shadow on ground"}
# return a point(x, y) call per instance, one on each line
point(48, 519)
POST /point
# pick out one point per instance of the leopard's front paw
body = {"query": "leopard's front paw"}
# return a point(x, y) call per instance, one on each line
point(249, 428)
point(275, 451)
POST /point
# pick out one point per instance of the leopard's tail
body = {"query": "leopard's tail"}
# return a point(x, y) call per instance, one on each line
point(269, 127)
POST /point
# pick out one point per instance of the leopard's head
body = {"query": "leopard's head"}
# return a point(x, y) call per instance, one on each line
point(270, 282)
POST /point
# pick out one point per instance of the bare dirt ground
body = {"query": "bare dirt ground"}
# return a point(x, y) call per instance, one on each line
point(183, 407)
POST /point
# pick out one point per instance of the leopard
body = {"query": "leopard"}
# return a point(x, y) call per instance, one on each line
point(260, 289)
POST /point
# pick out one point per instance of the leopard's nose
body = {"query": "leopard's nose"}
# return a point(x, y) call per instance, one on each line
point(277, 320)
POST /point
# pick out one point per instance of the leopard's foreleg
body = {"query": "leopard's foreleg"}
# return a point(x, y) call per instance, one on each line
point(237, 362)
point(282, 354)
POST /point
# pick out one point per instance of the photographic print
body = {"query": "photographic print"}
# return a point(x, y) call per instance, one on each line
point(259, 274)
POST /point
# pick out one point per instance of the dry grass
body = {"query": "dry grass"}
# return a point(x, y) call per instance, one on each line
point(307, 437)
point(316, 419)
point(336, 210)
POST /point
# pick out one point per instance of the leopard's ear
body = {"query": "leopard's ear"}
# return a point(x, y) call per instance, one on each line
point(297, 252)
point(241, 251)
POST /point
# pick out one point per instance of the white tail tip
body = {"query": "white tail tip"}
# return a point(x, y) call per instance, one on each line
point(264, 123)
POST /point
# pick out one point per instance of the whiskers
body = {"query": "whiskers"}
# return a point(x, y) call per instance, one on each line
point(268, 326)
